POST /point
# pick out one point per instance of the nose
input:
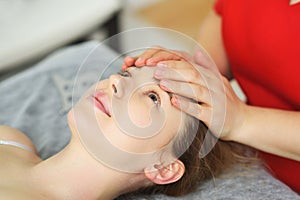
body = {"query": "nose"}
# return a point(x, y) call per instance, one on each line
point(116, 88)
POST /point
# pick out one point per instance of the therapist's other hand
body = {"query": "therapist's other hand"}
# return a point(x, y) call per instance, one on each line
point(154, 55)
point(199, 89)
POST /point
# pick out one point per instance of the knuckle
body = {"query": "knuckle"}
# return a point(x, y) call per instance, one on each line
point(196, 76)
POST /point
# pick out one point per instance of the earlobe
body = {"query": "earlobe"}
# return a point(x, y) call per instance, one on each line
point(165, 174)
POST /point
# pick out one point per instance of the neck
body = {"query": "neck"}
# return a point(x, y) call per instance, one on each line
point(74, 174)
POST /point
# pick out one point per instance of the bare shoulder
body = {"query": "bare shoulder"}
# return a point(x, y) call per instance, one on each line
point(12, 134)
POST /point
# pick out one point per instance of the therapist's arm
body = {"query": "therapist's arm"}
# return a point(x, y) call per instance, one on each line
point(210, 37)
point(271, 130)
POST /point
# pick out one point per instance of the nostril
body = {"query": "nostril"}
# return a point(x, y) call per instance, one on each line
point(114, 88)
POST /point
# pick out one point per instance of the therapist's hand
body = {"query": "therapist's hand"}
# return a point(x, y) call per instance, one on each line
point(199, 89)
point(153, 55)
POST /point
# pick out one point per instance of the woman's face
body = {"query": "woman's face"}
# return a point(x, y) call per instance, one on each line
point(130, 110)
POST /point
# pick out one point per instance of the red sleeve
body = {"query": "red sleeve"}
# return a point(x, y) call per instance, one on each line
point(218, 6)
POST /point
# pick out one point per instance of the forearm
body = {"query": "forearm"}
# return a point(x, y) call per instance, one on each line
point(271, 130)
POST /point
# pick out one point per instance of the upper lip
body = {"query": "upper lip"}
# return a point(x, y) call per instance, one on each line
point(101, 97)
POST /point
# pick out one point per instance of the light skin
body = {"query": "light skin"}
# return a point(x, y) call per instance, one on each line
point(271, 130)
point(74, 173)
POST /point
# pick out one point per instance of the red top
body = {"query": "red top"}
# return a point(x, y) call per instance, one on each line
point(262, 41)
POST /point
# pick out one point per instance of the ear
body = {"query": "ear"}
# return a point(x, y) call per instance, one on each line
point(165, 174)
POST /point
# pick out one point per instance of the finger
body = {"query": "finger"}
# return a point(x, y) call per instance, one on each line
point(186, 71)
point(179, 71)
point(162, 56)
point(186, 56)
point(129, 61)
point(124, 67)
point(141, 61)
point(201, 112)
point(198, 93)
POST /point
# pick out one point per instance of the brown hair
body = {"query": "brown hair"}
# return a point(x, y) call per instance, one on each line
point(198, 169)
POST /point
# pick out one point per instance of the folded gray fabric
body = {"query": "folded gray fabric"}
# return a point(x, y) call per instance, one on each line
point(241, 184)
point(37, 100)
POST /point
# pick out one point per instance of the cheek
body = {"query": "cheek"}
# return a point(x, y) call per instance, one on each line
point(121, 140)
point(175, 119)
point(173, 123)
point(139, 111)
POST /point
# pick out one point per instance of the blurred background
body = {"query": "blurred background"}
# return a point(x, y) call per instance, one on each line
point(32, 29)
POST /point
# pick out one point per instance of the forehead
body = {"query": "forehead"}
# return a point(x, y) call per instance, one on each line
point(143, 74)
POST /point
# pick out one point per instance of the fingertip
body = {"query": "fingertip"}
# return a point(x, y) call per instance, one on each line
point(129, 61)
point(162, 86)
point(175, 102)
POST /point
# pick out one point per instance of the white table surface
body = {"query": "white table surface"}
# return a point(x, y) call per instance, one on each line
point(31, 28)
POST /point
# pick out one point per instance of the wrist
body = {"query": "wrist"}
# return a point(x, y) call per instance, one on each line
point(240, 129)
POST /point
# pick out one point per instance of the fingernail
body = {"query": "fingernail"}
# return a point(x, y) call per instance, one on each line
point(175, 100)
point(159, 72)
point(165, 84)
point(163, 87)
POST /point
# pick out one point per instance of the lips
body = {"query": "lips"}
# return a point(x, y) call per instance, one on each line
point(100, 102)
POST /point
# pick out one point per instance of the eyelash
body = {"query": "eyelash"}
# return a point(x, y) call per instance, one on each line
point(155, 93)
